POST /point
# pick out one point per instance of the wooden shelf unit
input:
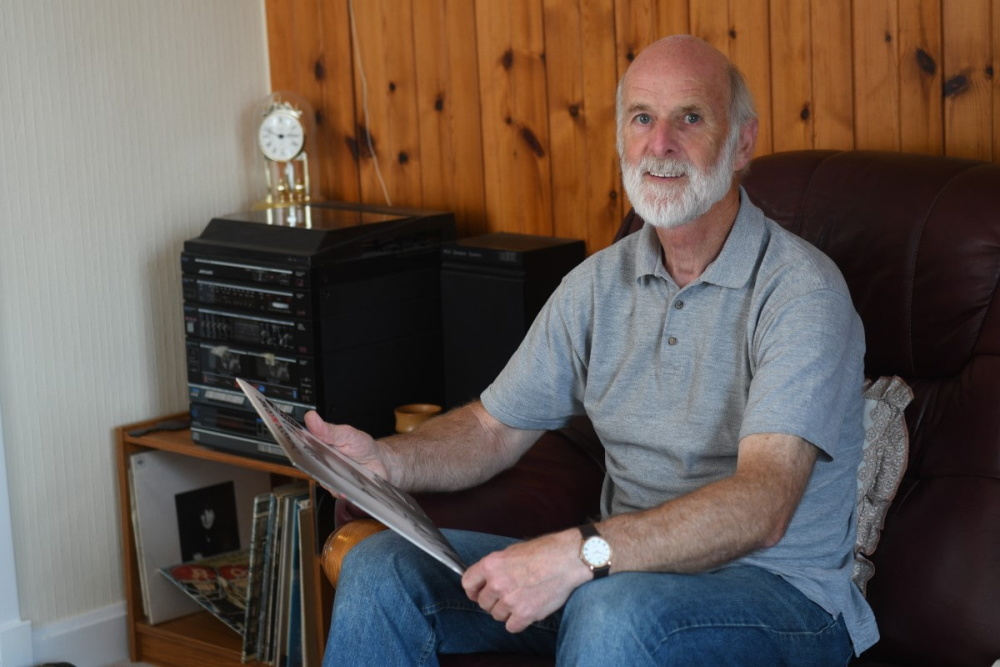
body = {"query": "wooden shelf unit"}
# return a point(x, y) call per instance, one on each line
point(198, 639)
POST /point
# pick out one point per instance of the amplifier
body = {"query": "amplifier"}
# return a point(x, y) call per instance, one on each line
point(225, 326)
point(229, 294)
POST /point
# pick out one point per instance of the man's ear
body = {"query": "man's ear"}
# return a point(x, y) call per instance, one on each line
point(748, 140)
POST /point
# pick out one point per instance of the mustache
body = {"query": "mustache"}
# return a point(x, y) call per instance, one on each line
point(662, 166)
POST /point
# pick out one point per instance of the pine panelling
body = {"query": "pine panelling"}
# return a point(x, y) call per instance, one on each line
point(385, 44)
point(921, 126)
point(832, 109)
point(581, 77)
point(337, 124)
point(504, 111)
point(968, 104)
point(791, 75)
point(639, 23)
point(448, 112)
point(750, 49)
point(515, 116)
point(710, 21)
point(876, 75)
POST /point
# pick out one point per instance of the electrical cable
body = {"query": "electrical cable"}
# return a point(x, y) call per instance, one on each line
point(364, 101)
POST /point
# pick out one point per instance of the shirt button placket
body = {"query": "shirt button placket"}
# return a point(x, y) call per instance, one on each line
point(678, 304)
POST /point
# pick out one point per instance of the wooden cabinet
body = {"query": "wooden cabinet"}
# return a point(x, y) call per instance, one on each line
point(198, 639)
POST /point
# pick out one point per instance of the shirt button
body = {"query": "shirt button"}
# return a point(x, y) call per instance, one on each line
point(678, 304)
point(671, 341)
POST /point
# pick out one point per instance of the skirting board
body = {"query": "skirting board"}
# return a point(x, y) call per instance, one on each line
point(93, 639)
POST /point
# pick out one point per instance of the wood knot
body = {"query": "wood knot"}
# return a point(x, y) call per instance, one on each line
point(805, 113)
point(365, 142)
point(533, 143)
point(319, 70)
point(439, 103)
point(732, 33)
point(352, 146)
point(955, 86)
point(507, 60)
point(926, 62)
point(392, 87)
point(574, 110)
point(403, 157)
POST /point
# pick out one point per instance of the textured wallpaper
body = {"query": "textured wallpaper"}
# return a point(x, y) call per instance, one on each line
point(123, 130)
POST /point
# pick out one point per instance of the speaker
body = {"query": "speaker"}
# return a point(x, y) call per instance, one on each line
point(492, 287)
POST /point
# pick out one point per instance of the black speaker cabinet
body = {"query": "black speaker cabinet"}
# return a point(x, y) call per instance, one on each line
point(492, 287)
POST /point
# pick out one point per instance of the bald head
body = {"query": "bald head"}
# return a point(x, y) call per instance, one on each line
point(690, 58)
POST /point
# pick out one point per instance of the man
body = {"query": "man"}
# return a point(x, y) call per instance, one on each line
point(720, 360)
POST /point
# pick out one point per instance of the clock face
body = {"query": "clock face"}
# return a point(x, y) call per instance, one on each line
point(596, 551)
point(281, 136)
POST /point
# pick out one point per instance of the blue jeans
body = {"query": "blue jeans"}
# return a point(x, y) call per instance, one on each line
point(397, 606)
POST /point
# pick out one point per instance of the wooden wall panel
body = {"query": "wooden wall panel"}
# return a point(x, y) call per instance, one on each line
point(448, 111)
point(921, 127)
point(386, 103)
point(791, 76)
point(750, 49)
point(515, 116)
point(832, 107)
point(968, 109)
point(582, 77)
point(504, 111)
point(876, 75)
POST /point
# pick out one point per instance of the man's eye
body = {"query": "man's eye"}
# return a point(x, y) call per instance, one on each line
point(692, 118)
point(644, 119)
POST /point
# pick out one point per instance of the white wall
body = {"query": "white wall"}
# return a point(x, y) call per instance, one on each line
point(123, 129)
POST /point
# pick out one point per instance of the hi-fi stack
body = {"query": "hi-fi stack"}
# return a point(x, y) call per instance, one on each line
point(339, 313)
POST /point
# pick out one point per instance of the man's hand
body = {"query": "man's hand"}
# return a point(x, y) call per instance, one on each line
point(527, 581)
point(350, 442)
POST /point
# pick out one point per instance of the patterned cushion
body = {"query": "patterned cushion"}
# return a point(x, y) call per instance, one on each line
point(882, 465)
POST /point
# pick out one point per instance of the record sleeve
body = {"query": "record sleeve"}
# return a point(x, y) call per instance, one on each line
point(339, 474)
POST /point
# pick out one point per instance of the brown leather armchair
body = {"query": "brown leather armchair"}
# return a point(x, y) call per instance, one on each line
point(918, 241)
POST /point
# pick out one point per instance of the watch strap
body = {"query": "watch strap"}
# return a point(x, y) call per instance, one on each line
point(589, 530)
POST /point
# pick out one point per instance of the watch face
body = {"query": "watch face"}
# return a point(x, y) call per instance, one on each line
point(281, 136)
point(596, 552)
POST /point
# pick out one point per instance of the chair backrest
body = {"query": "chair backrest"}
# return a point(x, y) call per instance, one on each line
point(918, 241)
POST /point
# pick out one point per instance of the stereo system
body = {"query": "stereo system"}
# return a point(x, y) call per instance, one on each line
point(362, 309)
point(341, 314)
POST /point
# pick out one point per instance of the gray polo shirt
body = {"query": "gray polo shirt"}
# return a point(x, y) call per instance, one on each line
point(766, 340)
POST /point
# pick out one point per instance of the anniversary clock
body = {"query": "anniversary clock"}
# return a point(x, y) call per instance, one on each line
point(284, 138)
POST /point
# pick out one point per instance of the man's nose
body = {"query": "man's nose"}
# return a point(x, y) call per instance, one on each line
point(663, 140)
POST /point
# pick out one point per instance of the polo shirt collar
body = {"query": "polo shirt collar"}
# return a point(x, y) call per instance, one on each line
point(735, 263)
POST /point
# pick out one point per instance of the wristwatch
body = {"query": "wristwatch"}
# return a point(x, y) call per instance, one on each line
point(595, 552)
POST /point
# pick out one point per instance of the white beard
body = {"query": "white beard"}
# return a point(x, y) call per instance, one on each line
point(661, 205)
